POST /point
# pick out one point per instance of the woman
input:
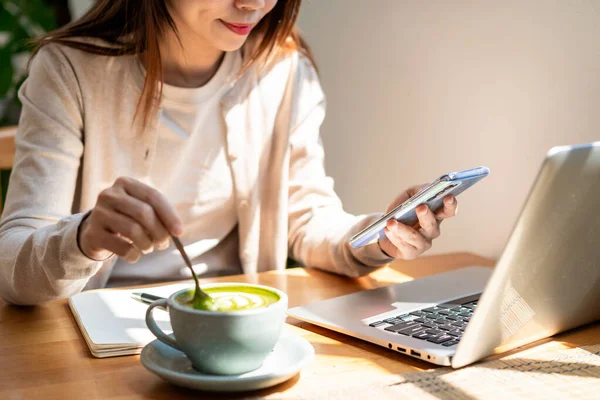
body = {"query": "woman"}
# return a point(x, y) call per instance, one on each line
point(193, 118)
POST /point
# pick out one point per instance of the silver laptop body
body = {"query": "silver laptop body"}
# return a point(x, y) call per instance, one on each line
point(546, 281)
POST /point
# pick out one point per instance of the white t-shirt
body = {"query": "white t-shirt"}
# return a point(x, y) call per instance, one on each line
point(191, 170)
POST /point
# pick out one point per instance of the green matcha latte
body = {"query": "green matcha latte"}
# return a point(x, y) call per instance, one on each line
point(232, 298)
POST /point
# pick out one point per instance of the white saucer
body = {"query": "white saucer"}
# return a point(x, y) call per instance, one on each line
point(289, 355)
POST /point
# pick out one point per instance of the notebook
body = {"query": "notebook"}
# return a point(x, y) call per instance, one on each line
point(114, 324)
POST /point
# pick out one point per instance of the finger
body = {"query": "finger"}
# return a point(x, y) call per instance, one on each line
point(401, 232)
point(429, 224)
point(398, 200)
point(410, 192)
point(118, 246)
point(398, 248)
point(449, 210)
point(159, 203)
point(143, 214)
point(125, 226)
point(416, 189)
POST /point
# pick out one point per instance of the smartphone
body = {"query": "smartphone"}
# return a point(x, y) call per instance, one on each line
point(433, 195)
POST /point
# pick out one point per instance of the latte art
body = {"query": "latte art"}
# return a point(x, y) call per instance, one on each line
point(237, 301)
point(234, 298)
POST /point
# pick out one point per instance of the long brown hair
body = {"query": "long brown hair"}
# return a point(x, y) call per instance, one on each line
point(133, 26)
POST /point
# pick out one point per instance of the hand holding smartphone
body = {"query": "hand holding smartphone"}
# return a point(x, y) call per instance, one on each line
point(433, 195)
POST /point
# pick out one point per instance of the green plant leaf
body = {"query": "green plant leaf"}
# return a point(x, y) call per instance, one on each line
point(21, 20)
point(37, 12)
point(6, 71)
point(7, 21)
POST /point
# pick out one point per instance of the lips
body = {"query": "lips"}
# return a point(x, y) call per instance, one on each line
point(240, 29)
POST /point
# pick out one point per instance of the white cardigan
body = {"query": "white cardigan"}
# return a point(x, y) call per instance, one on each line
point(77, 135)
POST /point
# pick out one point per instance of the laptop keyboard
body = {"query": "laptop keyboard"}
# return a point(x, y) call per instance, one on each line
point(443, 324)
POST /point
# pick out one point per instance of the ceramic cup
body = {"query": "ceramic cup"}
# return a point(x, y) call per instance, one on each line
point(222, 343)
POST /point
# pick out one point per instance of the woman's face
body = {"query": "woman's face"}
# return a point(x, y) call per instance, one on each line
point(221, 24)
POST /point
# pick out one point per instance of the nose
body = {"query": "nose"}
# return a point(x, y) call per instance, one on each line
point(250, 5)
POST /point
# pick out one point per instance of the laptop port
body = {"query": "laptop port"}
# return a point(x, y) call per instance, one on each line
point(401, 349)
point(415, 353)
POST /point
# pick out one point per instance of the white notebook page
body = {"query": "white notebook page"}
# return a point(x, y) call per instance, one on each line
point(111, 318)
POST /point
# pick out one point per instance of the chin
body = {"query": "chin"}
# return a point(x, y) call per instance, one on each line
point(232, 45)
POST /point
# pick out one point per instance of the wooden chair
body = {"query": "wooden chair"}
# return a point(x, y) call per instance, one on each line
point(7, 157)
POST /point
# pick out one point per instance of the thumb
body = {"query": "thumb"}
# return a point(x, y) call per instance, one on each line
point(407, 194)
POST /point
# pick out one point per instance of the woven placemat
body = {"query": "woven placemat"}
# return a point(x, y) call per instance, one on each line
point(556, 374)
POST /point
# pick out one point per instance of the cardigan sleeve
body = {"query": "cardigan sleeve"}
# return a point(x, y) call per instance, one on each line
point(40, 259)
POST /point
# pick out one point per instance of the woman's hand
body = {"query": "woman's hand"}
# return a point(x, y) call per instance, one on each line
point(406, 242)
point(129, 219)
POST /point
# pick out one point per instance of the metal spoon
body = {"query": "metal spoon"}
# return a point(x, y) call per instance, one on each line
point(201, 299)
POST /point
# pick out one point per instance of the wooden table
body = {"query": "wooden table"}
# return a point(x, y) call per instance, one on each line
point(7, 146)
point(7, 156)
point(43, 355)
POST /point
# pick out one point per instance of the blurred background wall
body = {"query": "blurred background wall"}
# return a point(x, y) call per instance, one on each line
point(419, 88)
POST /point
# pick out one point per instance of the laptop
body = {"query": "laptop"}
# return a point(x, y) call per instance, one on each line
point(547, 280)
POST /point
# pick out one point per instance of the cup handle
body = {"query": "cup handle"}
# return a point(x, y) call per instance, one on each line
point(151, 324)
